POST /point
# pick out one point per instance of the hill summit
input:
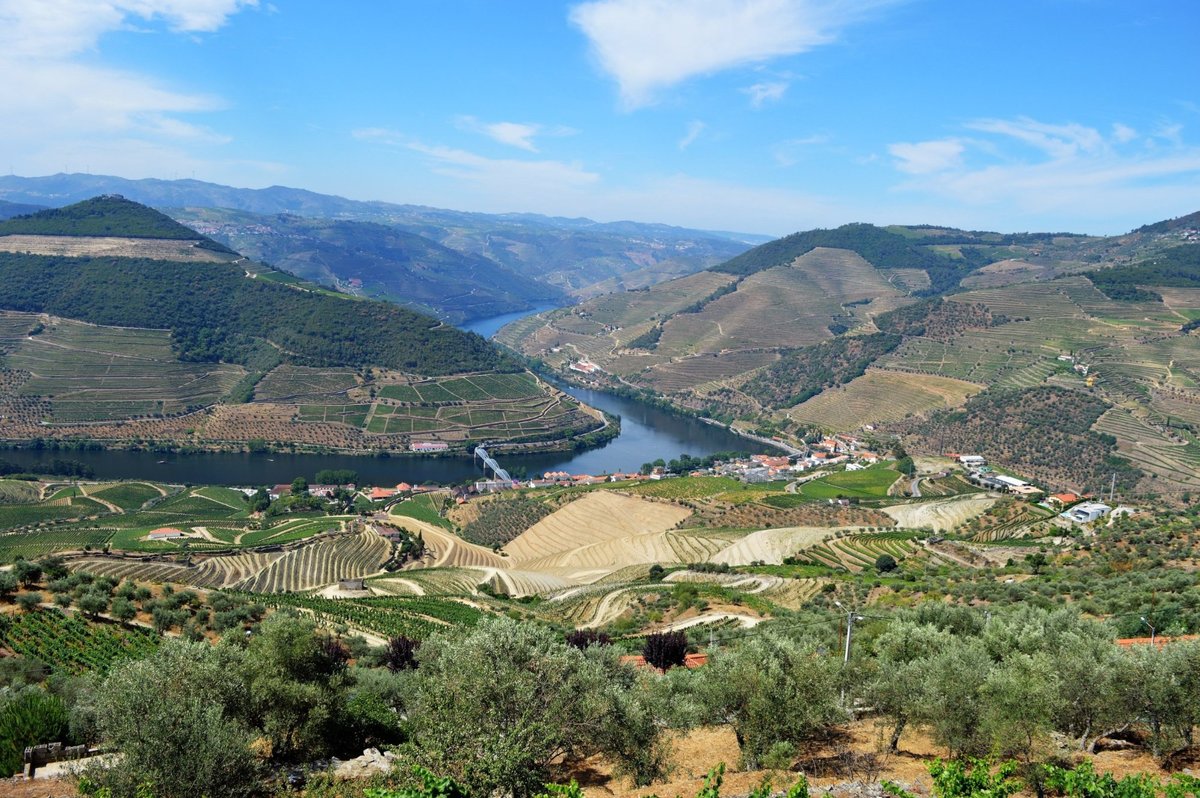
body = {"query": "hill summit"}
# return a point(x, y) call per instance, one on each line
point(106, 215)
point(122, 323)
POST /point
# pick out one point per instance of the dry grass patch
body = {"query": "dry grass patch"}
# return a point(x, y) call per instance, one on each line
point(941, 515)
point(602, 516)
point(770, 546)
point(113, 247)
point(881, 396)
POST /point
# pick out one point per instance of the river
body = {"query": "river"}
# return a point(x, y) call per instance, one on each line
point(647, 433)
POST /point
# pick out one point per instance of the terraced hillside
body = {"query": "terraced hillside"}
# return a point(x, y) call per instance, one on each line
point(834, 330)
point(881, 396)
point(152, 332)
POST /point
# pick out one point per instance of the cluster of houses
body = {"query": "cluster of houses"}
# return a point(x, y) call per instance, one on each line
point(834, 450)
point(1074, 510)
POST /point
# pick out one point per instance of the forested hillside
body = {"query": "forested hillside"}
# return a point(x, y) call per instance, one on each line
point(1178, 267)
point(108, 215)
point(215, 312)
point(803, 373)
point(1045, 432)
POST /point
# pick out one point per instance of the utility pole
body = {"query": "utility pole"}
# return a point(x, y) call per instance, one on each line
point(1152, 629)
point(1112, 489)
point(851, 617)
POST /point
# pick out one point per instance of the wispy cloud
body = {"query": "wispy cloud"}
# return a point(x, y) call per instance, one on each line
point(694, 129)
point(1065, 170)
point(790, 151)
point(64, 94)
point(649, 45)
point(1123, 133)
point(1056, 141)
point(499, 183)
point(514, 134)
point(767, 92)
point(924, 157)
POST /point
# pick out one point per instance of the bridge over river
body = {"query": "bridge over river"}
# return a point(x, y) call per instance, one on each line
point(490, 462)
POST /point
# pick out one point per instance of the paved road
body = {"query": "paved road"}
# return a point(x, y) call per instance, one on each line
point(915, 488)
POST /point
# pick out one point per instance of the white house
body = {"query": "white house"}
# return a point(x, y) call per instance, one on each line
point(1086, 512)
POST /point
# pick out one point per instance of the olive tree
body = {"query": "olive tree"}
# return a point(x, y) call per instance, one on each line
point(494, 705)
point(771, 689)
point(175, 718)
point(900, 670)
point(297, 682)
point(952, 698)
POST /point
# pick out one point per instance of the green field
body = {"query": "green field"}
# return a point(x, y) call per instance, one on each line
point(870, 483)
point(128, 495)
point(17, 491)
point(423, 508)
point(416, 618)
point(682, 487)
point(38, 543)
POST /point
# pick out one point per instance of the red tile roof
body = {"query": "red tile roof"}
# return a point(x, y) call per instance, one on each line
point(1159, 640)
point(690, 661)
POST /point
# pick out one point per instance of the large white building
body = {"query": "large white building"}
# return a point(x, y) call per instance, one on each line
point(1086, 512)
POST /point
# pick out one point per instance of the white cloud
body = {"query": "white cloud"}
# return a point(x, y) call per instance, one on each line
point(57, 29)
point(924, 157)
point(63, 93)
point(1057, 141)
point(514, 134)
point(1073, 174)
point(1123, 133)
point(649, 45)
point(763, 93)
point(694, 129)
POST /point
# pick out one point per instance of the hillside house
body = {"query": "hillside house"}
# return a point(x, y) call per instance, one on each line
point(166, 533)
point(769, 461)
point(1086, 512)
point(972, 460)
point(429, 446)
point(1062, 499)
point(381, 494)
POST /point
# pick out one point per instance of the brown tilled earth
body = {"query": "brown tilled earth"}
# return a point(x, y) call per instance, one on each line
point(847, 759)
point(840, 764)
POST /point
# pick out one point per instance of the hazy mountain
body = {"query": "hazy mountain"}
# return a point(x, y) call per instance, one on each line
point(375, 260)
point(580, 257)
point(11, 209)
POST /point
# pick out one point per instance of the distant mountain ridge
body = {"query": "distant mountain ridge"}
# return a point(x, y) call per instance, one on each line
point(11, 209)
point(378, 261)
point(575, 258)
point(214, 311)
point(119, 325)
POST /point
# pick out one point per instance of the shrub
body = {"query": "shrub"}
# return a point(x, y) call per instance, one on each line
point(665, 650)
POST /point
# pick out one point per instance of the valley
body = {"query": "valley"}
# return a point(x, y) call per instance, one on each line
point(931, 428)
point(799, 337)
point(128, 342)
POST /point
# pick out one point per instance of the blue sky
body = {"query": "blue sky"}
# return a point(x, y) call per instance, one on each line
point(764, 116)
